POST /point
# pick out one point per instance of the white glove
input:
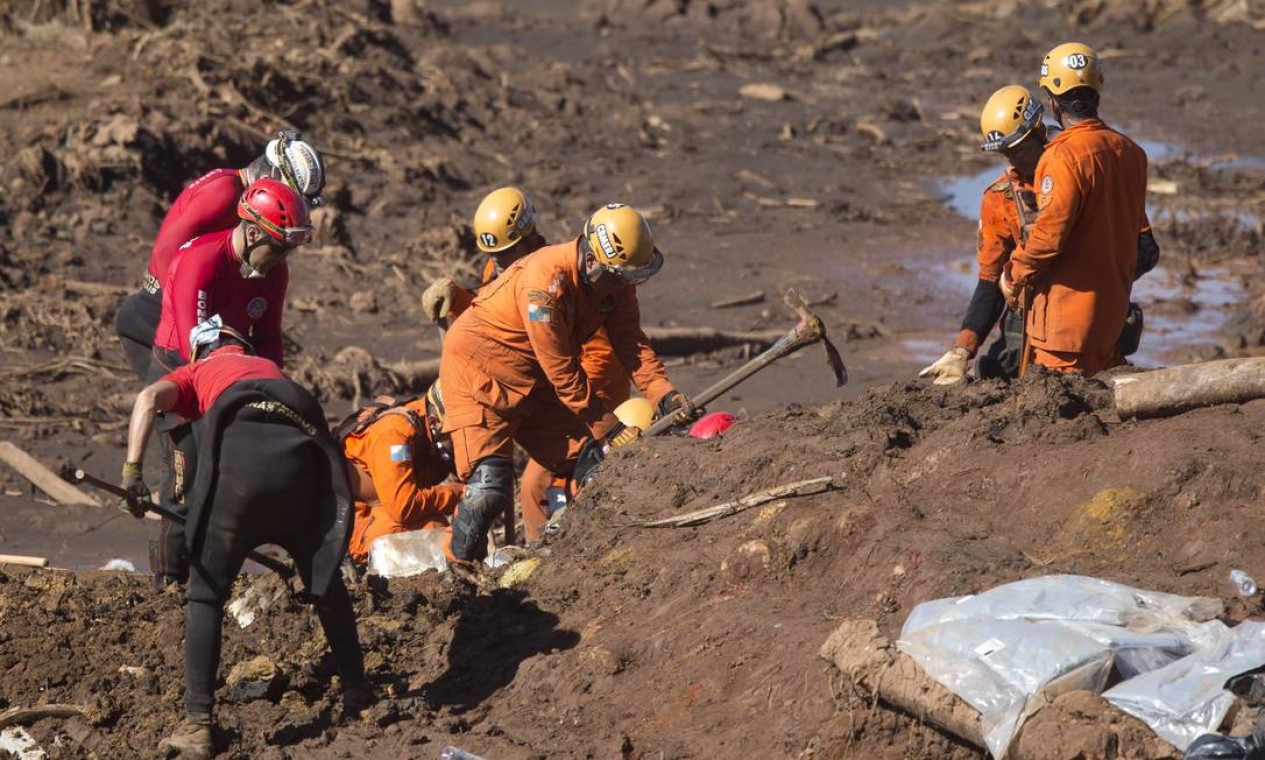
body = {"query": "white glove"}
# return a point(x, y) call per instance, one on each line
point(437, 299)
point(950, 368)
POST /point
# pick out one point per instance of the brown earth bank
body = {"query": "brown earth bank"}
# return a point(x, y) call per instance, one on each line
point(772, 144)
point(690, 642)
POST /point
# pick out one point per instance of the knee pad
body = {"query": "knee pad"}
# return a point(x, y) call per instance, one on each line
point(488, 493)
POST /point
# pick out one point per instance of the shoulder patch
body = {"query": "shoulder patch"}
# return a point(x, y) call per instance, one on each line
point(1047, 184)
point(539, 313)
point(401, 452)
point(1000, 186)
point(535, 295)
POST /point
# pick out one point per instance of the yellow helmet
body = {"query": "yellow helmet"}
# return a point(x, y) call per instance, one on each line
point(1069, 66)
point(1010, 115)
point(621, 242)
point(636, 412)
point(503, 218)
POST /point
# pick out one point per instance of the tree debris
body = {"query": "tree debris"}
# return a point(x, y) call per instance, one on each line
point(700, 516)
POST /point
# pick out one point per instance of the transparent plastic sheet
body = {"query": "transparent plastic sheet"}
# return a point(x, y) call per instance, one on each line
point(399, 555)
point(1001, 649)
point(1188, 697)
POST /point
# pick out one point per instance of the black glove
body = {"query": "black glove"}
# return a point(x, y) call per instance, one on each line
point(586, 462)
point(134, 483)
point(1214, 747)
point(677, 405)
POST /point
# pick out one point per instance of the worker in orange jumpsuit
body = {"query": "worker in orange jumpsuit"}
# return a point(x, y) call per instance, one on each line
point(1077, 266)
point(505, 228)
point(511, 368)
point(397, 465)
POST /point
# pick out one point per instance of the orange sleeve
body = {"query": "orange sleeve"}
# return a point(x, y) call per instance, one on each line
point(1059, 194)
point(545, 308)
point(461, 300)
point(623, 327)
point(995, 241)
point(390, 454)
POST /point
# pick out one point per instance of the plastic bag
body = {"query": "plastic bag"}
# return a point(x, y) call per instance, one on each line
point(399, 555)
point(1188, 697)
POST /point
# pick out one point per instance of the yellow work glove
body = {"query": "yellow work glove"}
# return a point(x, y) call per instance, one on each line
point(950, 368)
point(133, 482)
point(624, 437)
point(437, 299)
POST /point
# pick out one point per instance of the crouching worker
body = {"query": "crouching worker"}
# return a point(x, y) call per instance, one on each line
point(397, 461)
point(270, 474)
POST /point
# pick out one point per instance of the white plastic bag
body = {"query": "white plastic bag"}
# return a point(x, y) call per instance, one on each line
point(1187, 698)
point(399, 555)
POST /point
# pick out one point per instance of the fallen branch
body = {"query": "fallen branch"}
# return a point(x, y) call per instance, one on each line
point(684, 341)
point(43, 478)
point(20, 716)
point(23, 560)
point(700, 516)
point(743, 300)
point(1165, 392)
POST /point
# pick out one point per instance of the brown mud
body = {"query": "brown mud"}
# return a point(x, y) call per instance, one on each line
point(773, 144)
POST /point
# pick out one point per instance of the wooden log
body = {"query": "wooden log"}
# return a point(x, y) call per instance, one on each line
point(43, 478)
point(19, 716)
point(683, 341)
point(23, 560)
point(745, 299)
point(882, 672)
point(707, 514)
point(1165, 392)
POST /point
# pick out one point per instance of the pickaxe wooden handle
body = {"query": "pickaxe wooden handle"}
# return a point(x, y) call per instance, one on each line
point(808, 331)
point(275, 565)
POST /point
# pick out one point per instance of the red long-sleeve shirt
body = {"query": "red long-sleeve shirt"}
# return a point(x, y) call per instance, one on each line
point(205, 279)
point(208, 204)
point(201, 383)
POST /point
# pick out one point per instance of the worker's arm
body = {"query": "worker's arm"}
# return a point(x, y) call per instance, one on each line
point(623, 327)
point(994, 244)
point(396, 466)
point(161, 396)
point(268, 339)
point(1148, 249)
point(1059, 196)
point(547, 321)
point(208, 205)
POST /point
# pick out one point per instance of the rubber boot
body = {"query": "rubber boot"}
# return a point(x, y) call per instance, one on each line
point(190, 741)
point(357, 698)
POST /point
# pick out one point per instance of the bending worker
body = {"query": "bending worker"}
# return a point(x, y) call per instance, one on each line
point(511, 366)
point(271, 474)
point(208, 204)
point(505, 229)
point(1077, 266)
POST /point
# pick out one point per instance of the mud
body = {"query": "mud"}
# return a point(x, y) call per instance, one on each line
point(772, 144)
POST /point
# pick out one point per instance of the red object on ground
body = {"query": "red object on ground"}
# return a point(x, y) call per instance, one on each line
point(712, 425)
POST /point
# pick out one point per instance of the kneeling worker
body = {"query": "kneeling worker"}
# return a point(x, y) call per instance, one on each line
point(271, 474)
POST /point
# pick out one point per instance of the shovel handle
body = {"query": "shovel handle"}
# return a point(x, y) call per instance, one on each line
point(273, 564)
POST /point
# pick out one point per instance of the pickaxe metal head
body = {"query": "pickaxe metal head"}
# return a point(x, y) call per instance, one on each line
point(813, 330)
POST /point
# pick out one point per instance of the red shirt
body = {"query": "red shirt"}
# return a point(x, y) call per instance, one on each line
point(201, 383)
point(205, 279)
point(208, 204)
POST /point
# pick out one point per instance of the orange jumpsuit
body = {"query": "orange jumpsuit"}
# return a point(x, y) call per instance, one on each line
point(511, 368)
point(1081, 255)
point(610, 381)
point(1000, 230)
point(396, 479)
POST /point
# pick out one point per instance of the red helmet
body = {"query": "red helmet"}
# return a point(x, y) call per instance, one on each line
point(278, 209)
point(712, 425)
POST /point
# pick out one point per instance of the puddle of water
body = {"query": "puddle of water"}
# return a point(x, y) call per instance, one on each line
point(963, 193)
point(1213, 293)
point(1159, 151)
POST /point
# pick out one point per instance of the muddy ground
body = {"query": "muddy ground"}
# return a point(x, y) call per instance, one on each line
point(773, 144)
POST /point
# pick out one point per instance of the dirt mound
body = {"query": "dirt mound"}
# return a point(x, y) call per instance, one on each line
point(640, 641)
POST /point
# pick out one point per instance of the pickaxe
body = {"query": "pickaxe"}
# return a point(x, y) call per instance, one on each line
point(273, 564)
point(808, 331)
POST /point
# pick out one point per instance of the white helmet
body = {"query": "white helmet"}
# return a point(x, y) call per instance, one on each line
point(299, 163)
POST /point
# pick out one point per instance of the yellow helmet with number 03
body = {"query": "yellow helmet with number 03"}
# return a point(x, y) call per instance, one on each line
point(1069, 66)
point(1008, 117)
point(504, 217)
point(620, 240)
point(636, 412)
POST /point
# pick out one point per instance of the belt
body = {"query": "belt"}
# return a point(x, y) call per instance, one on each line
point(277, 409)
point(150, 284)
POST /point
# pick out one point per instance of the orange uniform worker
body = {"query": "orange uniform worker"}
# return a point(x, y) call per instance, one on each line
point(397, 467)
point(505, 228)
point(1080, 259)
point(511, 367)
point(1010, 124)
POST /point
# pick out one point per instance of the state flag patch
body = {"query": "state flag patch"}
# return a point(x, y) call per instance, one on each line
point(538, 313)
point(401, 452)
